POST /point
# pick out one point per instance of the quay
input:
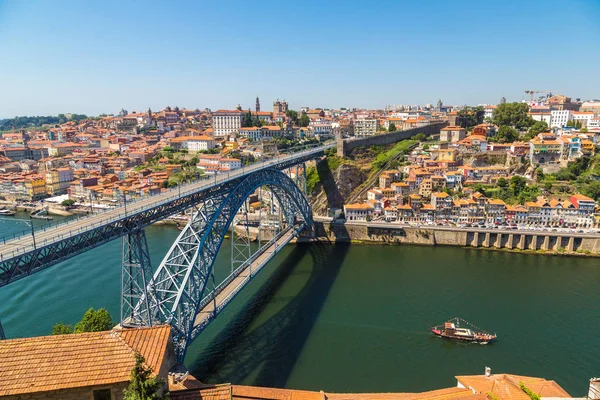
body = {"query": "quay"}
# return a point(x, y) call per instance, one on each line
point(578, 243)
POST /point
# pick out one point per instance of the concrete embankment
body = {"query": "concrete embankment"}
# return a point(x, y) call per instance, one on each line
point(523, 241)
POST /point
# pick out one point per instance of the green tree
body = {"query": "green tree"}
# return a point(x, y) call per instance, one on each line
point(507, 134)
point(304, 120)
point(468, 117)
point(548, 186)
point(512, 114)
point(537, 128)
point(61, 329)
point(292, 115)
point(503, 183)
point(391, 127)
point(517, 184)
point(247, 121)
point(142, 384)
point(168, 148)
point(67, 202)
point(421, 137)
point(539, 172)
point(94, 321)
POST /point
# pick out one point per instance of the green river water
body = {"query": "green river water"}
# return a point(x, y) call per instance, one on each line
point(355, 318)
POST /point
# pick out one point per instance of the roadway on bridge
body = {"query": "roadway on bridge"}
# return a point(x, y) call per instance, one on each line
point(54, 234)
point(228, 292)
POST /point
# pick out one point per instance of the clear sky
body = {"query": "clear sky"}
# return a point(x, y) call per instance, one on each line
point(99, 56)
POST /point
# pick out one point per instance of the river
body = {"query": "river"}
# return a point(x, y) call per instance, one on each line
point(355, 318)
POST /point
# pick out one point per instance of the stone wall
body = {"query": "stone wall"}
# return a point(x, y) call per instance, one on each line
point(345, 146)
point(559, 243)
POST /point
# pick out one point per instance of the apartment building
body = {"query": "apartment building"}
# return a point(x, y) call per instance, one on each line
point(366, 126)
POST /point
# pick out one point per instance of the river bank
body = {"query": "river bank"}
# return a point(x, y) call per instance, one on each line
point(526, 242)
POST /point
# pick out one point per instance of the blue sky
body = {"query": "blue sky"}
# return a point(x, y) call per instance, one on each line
point(99, 56)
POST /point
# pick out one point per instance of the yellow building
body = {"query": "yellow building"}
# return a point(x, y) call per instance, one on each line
point(36, 187)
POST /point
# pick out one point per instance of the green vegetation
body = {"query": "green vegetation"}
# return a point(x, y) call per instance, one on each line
point(529, 392)
point(68, 203)
point(92, 321)
point(421, 137)
point(61, 329)
point(142, 384)
point(304, 120)
point(535, 129)
point(507, 134)
point(35, 122)
point(384, 157)
point(512, 114)
point(515, 191)
point(392, 127)
point(468, 117)
point(312, 178)
point(293, 115)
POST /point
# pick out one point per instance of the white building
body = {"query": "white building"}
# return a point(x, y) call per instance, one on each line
point(229, 164)
point(366, 126)
point(358, 212)
point(193, 143)
point(488, 111)
point(559, 118)
point(584, 117)
point(252, 133)
point(226, 121)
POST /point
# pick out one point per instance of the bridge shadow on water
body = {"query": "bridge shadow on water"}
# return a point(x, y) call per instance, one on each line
point(267, 353)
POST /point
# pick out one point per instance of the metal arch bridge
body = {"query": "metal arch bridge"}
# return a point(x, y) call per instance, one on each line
point(183, 290)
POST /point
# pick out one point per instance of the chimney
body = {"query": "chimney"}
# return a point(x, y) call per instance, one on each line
point(488, 371)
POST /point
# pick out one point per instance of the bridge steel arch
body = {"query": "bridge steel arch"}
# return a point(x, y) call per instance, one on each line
point(177, 288)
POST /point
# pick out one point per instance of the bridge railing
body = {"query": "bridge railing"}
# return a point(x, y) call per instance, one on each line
point(142, 204)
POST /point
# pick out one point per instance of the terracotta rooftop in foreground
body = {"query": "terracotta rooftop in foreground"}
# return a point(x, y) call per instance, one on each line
point(47, 363)
point(506, 386)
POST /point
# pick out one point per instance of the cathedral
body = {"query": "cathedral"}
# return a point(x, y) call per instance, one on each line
point(280, 107)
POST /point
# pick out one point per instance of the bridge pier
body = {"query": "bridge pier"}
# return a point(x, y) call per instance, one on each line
point(136, 272)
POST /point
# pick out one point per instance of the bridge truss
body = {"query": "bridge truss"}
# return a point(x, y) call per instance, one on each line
point(184, 291)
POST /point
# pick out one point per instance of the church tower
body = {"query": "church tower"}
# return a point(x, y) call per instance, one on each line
point(284, 106)
point(257, 104)
point(277, 107)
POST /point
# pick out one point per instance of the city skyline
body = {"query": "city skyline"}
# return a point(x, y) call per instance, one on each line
point(97, 58)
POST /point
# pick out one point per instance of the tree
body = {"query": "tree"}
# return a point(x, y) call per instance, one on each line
point(94, 321)
point(512, 114)
point(506, 134)
point(391, 127)
point(247, 121)
point(537, 128)
point(292, 115)
point(548, 186)
point(503, 183)
point(539, 172)
point(168, 148)
point(142, 384)
point(421, 137)
point(67, 202)
point(517, 184)
point(468, 117)
point(304, 120)
point(61, 329)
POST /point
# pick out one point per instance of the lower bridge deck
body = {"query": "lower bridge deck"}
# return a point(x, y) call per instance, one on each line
point(210, 307)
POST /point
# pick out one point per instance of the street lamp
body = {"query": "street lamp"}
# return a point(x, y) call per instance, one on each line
point(27, 222)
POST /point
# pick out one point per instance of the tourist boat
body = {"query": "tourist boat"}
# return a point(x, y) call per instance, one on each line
point(466, 333)
point(7, 212)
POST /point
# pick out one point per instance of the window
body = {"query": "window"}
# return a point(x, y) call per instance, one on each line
point(102, 394)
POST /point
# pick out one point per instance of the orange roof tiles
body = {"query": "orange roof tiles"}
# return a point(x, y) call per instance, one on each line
point(507, 387)
point(47, 363)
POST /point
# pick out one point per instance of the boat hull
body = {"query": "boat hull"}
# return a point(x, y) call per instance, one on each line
point(466, 339)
